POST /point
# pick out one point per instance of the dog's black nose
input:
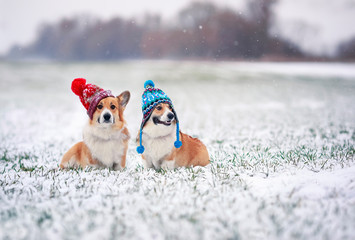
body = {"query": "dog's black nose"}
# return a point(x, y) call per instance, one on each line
point(107, 116)
point(170, 116)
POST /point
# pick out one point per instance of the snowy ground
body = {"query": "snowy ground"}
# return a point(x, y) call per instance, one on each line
point(281, 139)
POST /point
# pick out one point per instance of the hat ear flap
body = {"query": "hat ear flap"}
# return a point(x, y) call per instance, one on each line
point(173, 110)
point(124, 98)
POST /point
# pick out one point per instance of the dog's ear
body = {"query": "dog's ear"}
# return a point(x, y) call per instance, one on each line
point(124, 98)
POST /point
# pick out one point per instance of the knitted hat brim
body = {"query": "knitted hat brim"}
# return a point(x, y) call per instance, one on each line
point(146, 118)
point(95, 101)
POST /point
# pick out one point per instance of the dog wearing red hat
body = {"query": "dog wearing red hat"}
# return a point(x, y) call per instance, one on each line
point(105, 136)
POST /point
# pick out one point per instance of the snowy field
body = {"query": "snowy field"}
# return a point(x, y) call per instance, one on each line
point(281, 138)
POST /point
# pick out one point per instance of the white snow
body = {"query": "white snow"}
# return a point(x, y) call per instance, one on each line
point(280, 136)
point(306, 184)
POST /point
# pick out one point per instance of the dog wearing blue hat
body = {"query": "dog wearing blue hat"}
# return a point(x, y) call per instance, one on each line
point(160, 140)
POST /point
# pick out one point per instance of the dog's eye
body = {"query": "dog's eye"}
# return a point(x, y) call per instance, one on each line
point(99, 106)
point(159, 108)
point(113, 107)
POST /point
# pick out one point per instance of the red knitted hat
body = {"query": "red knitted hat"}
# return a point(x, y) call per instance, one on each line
point(90, 94)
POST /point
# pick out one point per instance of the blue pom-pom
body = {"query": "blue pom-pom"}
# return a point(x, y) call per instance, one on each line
point(149, 83)
point(140, 149)
point(177, 144)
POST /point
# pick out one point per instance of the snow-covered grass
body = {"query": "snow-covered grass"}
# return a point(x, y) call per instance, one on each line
point(281, 139)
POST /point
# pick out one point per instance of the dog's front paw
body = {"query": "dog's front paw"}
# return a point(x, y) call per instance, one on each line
point(168, 164)
point(147, 164)
point(117, 167)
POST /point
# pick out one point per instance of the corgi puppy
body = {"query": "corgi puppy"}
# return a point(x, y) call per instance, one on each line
point(158, 137)
point(105, 137)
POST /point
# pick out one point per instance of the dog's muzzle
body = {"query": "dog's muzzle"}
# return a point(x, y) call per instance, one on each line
point(106, 117)
point(170, 117)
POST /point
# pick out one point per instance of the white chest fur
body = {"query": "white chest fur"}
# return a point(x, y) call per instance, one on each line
point(106, 145)
point(157, 150)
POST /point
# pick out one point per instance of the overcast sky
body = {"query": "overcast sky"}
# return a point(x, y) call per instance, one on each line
point(318, 25)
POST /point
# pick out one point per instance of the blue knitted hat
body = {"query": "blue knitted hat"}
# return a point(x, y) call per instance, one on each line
point(150, 99)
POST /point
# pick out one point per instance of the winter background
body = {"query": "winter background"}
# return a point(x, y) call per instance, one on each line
point(281, 135)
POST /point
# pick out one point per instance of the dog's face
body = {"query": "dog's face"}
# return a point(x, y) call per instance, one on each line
point(109, 111)
point(163, 114)
point(162, 121)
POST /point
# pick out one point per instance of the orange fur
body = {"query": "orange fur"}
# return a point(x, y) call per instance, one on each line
point(192, 152)
point(81, 154)
point(123, 161)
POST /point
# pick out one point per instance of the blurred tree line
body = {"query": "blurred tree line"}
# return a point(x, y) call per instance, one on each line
point(202, 31)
